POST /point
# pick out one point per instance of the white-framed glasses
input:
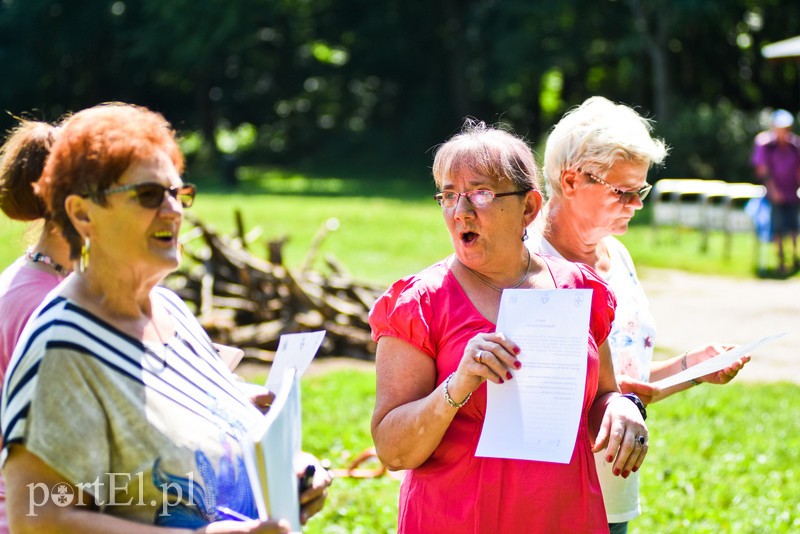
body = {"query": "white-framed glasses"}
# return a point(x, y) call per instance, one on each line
point(479, 198)
point(625, 197)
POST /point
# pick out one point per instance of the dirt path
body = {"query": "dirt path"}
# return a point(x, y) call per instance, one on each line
point(692, 310)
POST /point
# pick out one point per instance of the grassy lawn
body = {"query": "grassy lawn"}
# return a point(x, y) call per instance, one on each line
point(722, 459)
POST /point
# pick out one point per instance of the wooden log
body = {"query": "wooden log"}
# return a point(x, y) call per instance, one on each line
point(258, 334)
point(331, 225)
point(245, 301)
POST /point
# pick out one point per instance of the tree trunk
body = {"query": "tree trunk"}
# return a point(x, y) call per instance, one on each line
point(207, 122)
point(453, 40)
point(654, 36)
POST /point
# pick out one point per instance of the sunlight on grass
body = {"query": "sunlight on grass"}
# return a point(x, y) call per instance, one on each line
point(722, 459)
point(282, 183)
point(337, 407)
point(15, 237)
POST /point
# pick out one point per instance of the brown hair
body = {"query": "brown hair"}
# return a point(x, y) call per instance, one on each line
point(22, 160)
point(94, 148)
point(489, 152)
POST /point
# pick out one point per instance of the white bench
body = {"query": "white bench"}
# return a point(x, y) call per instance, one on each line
point(672, 199)
point(705, 205)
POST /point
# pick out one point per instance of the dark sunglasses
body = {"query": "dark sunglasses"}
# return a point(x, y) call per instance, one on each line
point(151, 194)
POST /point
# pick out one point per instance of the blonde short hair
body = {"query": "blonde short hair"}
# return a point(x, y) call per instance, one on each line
point(596, 135)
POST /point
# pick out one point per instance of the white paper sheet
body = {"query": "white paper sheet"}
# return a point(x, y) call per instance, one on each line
point(717, 363)
point(294, 350)
point(535, 415)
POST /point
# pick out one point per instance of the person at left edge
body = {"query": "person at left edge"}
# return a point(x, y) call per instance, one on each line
point(115, 395)
point(26, 282)
point(437, 347)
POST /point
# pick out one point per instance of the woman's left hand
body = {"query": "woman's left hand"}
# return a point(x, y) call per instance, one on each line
point(263, 400)
point(722, 376)
point(624, 436)
point(646, 391)
point(261, 397)
point(313, 498)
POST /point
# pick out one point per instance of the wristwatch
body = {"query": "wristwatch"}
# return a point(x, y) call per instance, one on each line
point(638, 402)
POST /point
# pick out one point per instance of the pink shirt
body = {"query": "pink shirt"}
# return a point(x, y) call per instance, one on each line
point(22, 289)
point(455, 491)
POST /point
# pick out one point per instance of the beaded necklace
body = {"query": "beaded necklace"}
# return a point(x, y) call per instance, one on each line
point(38, 257)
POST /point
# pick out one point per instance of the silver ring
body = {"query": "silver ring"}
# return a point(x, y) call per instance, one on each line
point(479, 356)
point(641, 440)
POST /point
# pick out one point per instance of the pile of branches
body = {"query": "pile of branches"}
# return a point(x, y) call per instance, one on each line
point(247, 301)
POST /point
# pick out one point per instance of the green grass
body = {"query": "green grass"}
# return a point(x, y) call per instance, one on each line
point(14, 238)
point(337, 407)
point(378, 239)
point(722, 459)
point(677, 248)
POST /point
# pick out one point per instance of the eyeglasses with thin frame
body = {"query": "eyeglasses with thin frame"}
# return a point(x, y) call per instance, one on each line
point(479, 198)
point(625, 197)
point(150, 195)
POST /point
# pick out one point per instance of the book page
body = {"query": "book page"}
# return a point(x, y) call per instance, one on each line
point(230, 355)
point(276, 443)
point(269, 458)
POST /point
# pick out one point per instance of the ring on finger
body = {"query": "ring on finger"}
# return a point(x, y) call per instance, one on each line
point(641, 440)
point(479, 356)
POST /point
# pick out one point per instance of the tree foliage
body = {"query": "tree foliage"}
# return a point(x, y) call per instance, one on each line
point(351, 81)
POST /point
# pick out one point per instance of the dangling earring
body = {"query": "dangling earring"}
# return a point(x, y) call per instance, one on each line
point(525, 235)
point(84, 262)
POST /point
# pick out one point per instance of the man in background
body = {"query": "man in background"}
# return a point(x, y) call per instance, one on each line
point(776, 158)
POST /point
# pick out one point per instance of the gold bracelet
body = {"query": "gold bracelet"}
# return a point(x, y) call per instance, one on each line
point(449, 399)
point(684, 367)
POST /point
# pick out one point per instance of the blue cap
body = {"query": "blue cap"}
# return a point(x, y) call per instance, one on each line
point(782, 119)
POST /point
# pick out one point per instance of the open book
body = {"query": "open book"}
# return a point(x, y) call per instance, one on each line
point(275, 445)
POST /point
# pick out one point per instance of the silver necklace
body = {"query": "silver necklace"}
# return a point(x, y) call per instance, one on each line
point(481, 278)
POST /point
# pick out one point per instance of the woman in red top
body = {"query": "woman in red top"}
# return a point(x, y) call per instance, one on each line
point(437, 346)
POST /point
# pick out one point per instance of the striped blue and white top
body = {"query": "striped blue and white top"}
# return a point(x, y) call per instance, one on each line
point(151, 432)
